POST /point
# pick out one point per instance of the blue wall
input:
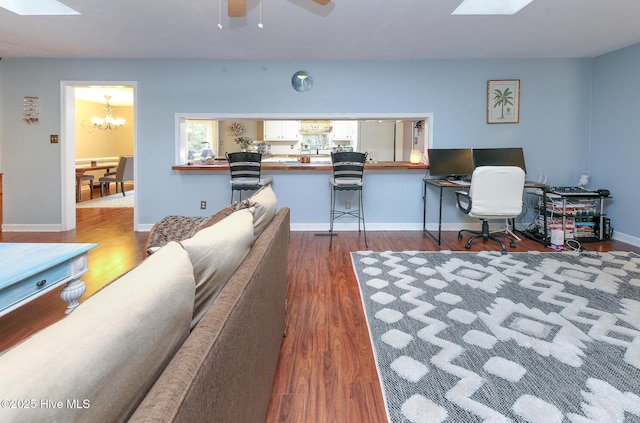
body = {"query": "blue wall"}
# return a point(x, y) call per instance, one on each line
point(615, 137)
point(554, 126)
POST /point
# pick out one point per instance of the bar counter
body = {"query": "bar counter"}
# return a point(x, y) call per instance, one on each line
point(291, 165)
point(392, 193)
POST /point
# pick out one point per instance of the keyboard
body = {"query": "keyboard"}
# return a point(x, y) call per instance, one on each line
point(570, 191)
point(461, 182)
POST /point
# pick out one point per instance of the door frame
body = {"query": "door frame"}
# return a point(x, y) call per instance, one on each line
point(68, 148)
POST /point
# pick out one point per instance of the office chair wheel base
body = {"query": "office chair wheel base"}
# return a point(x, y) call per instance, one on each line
point(512, 244)
point(467, 246)
point(459, 236)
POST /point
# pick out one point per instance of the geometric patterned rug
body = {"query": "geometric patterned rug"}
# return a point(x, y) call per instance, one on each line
point(524, 337)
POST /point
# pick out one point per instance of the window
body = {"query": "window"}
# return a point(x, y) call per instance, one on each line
point(198, 141)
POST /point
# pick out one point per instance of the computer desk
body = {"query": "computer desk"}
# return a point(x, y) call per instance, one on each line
point(441, 184)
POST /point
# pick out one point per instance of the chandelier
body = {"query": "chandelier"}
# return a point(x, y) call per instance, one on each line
point(108, 122)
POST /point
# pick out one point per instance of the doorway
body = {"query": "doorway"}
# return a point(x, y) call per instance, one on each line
point(83, 101)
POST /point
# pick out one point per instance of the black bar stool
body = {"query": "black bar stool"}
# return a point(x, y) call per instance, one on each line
point(348, 171)
point(245, 169)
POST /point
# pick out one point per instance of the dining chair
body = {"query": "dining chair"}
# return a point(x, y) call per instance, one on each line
point(123, 173)
point(84, 178)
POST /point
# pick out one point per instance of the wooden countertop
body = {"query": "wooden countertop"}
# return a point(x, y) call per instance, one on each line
point(224, 166)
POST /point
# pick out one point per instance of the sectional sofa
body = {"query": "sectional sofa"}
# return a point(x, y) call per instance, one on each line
point(191, 334)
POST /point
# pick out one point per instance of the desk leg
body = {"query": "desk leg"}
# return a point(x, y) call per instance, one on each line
point(74, 289)
point(424, 219)
point(424, 205)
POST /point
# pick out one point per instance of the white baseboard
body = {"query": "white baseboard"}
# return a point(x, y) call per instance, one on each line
point(144, 227)
point(317, 227)
point(339, 227)
point(7, 227)
point(633, 240)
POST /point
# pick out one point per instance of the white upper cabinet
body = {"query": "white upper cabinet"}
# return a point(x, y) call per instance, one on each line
point(281, 130)
point(343, 130)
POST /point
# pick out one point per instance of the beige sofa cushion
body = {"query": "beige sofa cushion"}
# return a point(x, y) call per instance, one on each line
point(215, 253)
point(109, 351)
point(266, 204)
point(212, 220)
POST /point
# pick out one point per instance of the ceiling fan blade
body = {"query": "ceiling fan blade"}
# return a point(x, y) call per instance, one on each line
point(237, 8)
point(323, 2)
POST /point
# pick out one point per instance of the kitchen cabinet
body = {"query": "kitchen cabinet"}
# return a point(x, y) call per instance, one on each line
point(343, 130)
point(281, 130)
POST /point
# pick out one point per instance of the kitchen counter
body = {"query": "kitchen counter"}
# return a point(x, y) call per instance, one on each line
point(286, 165)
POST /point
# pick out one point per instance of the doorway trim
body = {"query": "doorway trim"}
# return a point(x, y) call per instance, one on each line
point(68, 148)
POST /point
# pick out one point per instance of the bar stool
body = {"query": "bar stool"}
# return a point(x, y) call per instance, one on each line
point(348, 171)
point(245, 172)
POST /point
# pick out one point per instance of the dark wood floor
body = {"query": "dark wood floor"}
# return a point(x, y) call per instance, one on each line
point(326, 371)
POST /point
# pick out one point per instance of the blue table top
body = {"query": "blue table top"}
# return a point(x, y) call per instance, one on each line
point(21, 260)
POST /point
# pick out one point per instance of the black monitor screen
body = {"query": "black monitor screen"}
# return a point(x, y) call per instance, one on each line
point(450, 162)
point(499, 157)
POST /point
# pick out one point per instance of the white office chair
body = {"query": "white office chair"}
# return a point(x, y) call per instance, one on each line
point(495, 193)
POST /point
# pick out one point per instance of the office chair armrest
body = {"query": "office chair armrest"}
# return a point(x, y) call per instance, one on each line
point(464, 201)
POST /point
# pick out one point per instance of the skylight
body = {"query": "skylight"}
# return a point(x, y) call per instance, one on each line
point(490, 7)
point(37, 7)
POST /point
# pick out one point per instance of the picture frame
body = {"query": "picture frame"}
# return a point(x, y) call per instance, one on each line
point(503, 101)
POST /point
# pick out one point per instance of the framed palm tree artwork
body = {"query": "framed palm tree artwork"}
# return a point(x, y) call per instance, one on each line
point(503, 101)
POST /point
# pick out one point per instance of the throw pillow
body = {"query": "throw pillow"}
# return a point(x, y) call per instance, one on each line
point(170, 228)
point(215, 253)
point(266, 205)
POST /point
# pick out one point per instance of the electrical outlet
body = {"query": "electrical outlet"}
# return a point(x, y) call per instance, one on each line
point(347, 204)
point(203, 205)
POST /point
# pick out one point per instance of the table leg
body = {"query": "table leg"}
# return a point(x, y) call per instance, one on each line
point(71, 294)
point(78, 187)
point(74, 289)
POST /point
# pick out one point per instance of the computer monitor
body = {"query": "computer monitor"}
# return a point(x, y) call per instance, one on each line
point(450, 162)
point(513, 156)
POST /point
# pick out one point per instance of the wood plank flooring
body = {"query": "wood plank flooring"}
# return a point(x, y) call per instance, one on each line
point(326, 371)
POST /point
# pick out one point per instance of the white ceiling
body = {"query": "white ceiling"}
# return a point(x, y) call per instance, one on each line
point(303, 29)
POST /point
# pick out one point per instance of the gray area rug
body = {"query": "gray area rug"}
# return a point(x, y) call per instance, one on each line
point(109, 201)
point(524, 337)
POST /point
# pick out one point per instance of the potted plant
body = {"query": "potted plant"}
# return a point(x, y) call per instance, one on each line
point(244, 142)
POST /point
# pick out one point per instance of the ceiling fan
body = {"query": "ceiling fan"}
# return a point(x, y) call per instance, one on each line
point(238, 8)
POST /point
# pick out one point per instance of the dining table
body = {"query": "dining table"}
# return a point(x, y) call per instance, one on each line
point(81, 170)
